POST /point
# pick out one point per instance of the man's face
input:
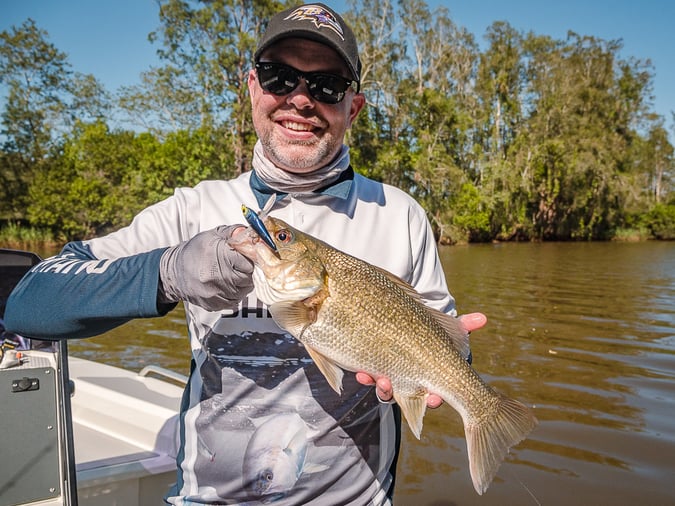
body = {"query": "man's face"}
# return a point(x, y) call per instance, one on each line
point(298, 133)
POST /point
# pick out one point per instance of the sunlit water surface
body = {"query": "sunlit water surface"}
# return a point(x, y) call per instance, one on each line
point(582, 332)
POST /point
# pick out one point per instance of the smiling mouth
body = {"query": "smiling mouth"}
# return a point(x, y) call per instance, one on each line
point(298, 127)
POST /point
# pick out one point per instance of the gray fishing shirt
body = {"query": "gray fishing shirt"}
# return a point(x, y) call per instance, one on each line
point(259, 423)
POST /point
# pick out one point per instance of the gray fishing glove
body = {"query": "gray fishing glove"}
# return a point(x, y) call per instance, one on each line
point(205, 271)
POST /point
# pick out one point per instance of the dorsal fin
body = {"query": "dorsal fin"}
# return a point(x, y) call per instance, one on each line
point(453, 327)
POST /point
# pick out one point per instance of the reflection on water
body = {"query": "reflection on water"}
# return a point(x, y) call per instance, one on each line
point(583, 332)
point(586, 334)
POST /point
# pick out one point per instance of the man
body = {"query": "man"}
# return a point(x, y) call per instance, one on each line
point(259, 422)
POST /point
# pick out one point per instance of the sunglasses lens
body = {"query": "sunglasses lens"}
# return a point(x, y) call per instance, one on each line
point(281, 79)
point(277, 79)
point(327, 88)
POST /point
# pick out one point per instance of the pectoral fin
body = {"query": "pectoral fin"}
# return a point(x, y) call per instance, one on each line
point(293, 317)
point(413, 409)
point(328, 368)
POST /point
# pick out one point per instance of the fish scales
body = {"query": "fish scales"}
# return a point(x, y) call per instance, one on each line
point(351, 315)
point(386, 318)
point(365, 302)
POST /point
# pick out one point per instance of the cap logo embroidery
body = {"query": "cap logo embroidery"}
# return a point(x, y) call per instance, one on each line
point(317, 15)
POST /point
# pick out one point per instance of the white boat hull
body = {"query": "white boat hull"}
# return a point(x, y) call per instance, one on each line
point(124, 431)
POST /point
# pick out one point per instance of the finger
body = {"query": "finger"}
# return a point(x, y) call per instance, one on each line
point(434, 401)
point(365, 379)
point(473, 321)
point(241, 264)
point(383, 389)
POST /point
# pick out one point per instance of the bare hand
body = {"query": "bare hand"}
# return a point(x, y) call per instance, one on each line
point(383, 388)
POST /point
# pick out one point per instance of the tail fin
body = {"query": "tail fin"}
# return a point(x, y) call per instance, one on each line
point(489, 441)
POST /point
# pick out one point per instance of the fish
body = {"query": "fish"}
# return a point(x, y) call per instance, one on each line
point(276, 456)
point(354, 316)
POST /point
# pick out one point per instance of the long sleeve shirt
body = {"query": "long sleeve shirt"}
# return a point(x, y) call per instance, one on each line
point(258, 420)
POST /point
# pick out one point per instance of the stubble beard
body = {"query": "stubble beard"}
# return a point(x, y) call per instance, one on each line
point(298, 156)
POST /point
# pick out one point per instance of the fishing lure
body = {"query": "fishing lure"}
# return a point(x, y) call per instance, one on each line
point(256, 224)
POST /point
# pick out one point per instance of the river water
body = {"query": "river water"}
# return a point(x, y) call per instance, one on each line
point(582, 332)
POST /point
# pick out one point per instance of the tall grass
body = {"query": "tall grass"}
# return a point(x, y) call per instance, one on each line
point(14, 235)
point(635, 234)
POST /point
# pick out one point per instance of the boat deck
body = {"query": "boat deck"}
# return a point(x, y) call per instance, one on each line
point(125, 430)
point(125, 427)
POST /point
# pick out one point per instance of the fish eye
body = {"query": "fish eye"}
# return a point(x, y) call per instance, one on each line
point(284, 236)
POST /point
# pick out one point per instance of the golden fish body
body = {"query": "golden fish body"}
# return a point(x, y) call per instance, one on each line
point(354, 316)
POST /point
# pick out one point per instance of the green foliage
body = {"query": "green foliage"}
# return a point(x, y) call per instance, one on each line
point(34, 73)
point(661, 221)
point(85, 187)
point(208, 49)
point(471, 215)
point(100, 179)
point(529, 138)
point(15, 177)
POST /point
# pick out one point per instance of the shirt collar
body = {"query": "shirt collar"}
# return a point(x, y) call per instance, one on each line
point(339, 188)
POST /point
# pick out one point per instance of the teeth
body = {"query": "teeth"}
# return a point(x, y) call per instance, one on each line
point(302, 127)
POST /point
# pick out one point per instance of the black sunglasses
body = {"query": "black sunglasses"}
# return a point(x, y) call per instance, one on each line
point(281, 79)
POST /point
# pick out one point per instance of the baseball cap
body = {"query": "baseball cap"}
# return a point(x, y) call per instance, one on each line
point(316, 22)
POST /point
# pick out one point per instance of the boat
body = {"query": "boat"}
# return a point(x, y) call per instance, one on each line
point(80, 432)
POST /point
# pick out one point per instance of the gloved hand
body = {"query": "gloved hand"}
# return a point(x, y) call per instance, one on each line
point(205, 271)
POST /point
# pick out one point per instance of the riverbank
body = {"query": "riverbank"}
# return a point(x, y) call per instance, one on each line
point(16, 236)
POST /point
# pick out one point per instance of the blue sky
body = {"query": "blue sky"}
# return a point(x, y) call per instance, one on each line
point(108, 38)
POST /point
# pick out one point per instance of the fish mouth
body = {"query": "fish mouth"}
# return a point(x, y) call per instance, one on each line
point(272, 275)
point(277, 276)
point(247, 242)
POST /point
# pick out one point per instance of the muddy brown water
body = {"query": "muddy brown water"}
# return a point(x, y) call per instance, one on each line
point(583, 332)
